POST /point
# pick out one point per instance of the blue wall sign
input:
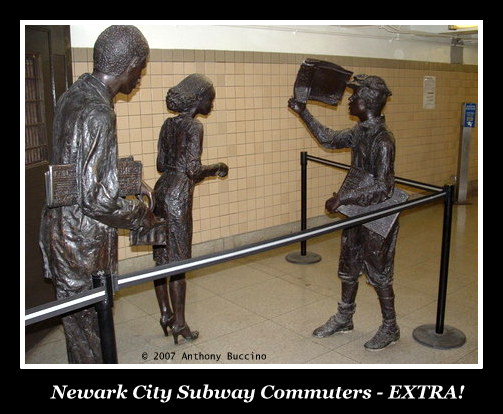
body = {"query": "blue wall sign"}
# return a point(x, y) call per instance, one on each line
point(469, 113)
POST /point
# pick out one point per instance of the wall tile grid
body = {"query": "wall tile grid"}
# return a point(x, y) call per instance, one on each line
point(253, 131)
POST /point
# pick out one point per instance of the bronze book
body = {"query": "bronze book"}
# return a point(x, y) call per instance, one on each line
point(61, 182)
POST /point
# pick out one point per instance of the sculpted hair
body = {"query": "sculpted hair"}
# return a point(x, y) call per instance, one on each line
point(374, 92)
point(116, 47)
point(188, 92)
point(374, 99)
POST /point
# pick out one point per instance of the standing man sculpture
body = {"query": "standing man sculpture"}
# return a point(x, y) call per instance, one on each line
point(80, 240)
point(370, 181)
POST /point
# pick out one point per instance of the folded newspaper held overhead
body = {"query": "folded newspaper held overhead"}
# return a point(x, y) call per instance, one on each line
point(320, 81)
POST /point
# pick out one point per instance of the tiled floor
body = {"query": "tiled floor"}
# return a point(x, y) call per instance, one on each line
point(265, 307)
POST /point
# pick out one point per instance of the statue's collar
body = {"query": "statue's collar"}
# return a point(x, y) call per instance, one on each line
point(373, 122)
point(98, 85)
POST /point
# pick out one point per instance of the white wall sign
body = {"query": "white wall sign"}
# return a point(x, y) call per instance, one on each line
point(429, 85)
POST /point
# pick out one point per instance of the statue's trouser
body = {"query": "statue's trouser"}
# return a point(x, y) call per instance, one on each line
point(83, 343)
point(82, 333)
point(364, 251)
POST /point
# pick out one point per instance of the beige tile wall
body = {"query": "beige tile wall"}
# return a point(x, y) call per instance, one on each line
point(252, 130)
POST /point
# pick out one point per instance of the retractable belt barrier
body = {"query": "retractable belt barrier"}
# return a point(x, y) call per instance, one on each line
point(105, 292)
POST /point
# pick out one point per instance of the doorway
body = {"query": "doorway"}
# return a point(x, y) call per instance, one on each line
point(48, 73)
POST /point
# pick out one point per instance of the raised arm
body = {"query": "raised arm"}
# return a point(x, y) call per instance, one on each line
point(327, 137)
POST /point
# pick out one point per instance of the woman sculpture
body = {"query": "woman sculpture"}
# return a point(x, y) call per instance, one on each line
point(179, 160)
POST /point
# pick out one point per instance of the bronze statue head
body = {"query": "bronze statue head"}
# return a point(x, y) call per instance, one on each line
point(372, 90)
point(117, 47)
point(120, 54)
point(193, 93)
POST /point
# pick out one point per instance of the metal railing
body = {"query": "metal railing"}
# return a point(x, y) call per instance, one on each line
point(104, 286)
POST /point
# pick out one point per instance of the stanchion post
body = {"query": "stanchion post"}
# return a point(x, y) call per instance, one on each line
point(304, 257)
point(303, 199)
point(442, 336)
point(444, 258)
point(105, 319)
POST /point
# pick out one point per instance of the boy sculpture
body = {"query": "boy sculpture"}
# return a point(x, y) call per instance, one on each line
point(370, 181)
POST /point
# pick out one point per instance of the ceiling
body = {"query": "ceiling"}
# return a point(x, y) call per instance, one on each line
point(468, 35)
point(434, 33)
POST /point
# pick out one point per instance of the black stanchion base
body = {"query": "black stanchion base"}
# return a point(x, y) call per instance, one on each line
point(298, 258)
point(450, 338)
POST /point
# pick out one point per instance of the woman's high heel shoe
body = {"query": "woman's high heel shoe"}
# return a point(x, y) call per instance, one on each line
point(167, 322)
point(185, 332)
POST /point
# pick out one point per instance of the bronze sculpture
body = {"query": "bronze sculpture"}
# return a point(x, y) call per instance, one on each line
point(369, 182)
point(179, 160)
point(80, 239)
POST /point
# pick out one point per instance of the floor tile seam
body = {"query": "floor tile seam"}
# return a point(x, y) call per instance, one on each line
point(400, 283)
point(421, 262)
point(275, 322)
point(289, 282)
point(326, 295)
point(209, 341)
point(275, 273)
point(358, 336)
point(254, 266)
point(130, 304)
point(464, 275)
point(328, 352)
point(220, 296)
point(417, 310)
point(220, 293)
point(475, 350)
point(30, 353)
point(252, 324)
point(454, 295)
point(299, 337)
point(417, 236)
point(296, 308)
point(149, 316)
point(235, 302)
point(454, 290)
point(46, 341)
point(407, 317)
point(310, 288)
